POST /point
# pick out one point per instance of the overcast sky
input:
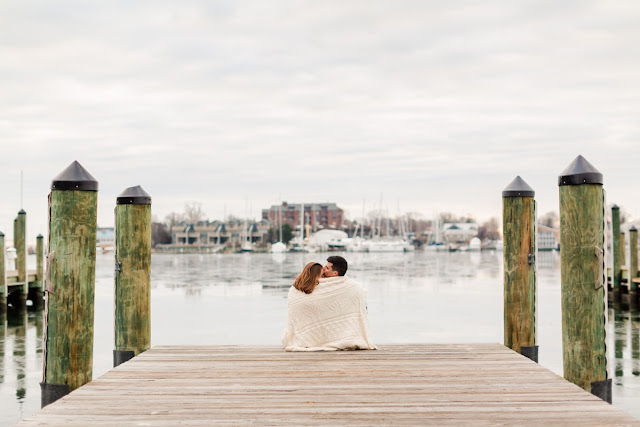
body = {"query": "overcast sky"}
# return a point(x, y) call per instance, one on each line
point(434, 105)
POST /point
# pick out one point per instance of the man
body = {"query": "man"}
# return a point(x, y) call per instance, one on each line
point(336, 266)
point(332, 317)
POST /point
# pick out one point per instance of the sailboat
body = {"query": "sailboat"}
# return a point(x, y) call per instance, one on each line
point(247, 246)
point(389, 243)
point(279, 247)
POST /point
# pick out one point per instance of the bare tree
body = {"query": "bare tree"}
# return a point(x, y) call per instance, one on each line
point(174, 218)
point(550, 219)
point(193, 212)
point(489, 230)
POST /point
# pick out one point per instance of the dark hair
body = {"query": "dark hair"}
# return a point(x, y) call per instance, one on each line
point(339, 264)
point(308, 279)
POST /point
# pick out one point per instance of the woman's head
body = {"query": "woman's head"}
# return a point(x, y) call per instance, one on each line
point(308, 280)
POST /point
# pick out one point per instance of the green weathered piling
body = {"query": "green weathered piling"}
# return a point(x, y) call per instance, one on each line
point(616, 272)
point(36, 288)
point(3, 276)
point(520, 292)
point(582, 278)
point(632, 273)
point(19, 242)
point(70, 283)
point(133, 274)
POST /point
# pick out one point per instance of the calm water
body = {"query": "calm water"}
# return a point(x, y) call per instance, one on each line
point(241, 299)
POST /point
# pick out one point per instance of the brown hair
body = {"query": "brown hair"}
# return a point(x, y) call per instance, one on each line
point(308, 280)
point(338, 264)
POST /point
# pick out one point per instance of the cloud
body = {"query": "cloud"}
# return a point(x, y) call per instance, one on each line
point(436, 105)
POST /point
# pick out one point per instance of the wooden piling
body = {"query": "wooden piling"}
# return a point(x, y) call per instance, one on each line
point(632, 272)
point(583, 277)
point(70, 283)
point(133, 274)
point(520, 290)
point(617, 257)
point(3, 276)
point(36, 288)
point(19, 243)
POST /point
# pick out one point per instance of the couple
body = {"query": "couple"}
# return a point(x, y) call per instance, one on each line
point(327, 310)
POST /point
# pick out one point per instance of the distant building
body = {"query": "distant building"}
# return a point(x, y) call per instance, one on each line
point(459, 232)
point(548, 238)
point(205, 233)
point(317, 215)
point(105, 238)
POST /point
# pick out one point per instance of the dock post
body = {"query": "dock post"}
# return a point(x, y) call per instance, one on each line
point(520, 290)
point(3, 277)
point(70, 283)
point(632, 272)
point(19, 294)
point(582, 278)
point(616, 271)
point(36, 290)
point(133, 274)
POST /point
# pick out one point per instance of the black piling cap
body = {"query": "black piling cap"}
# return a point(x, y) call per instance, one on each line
point(580, 171)
point(21, 212)
point(39, 236)
point(74, 177)
point(518, 188)
point(633, 228)
point(134, 196)
point(615, 207)
point(1, 234)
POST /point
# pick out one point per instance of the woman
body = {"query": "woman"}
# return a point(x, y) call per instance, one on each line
point(326, 313)
point(309, 278)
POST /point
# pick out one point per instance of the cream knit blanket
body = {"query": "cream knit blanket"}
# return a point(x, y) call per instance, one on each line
point(332, 317)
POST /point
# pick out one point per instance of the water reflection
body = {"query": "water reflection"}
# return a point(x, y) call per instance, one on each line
point(620, 340)
point(3, 340)
point(413, 297)
point(635, 342)
point(17, 321)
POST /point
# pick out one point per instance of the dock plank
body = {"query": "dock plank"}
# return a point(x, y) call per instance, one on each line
point(443, 384)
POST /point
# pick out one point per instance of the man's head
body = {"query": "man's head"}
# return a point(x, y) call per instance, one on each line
point(336, 266)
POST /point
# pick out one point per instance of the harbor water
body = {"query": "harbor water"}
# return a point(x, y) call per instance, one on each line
point(421, 297)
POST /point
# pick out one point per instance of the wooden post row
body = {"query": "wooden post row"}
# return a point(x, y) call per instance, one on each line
point(520, 288)
point(583, 278)
point(35, 288)
point(19, 242)
point(3, 276)
point(617, 257)
point(133, 274)
point(70, 283)
point(633, 265)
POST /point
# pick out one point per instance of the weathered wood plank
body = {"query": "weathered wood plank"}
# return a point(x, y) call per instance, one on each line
point(482, 384)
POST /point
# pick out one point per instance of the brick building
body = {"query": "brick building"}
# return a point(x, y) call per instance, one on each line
point(317, 215)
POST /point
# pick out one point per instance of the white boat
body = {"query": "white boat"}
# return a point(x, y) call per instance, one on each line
point(388, 245)
point(475, 244)
point(278, 248)
point(10, 259)
point(247, 246)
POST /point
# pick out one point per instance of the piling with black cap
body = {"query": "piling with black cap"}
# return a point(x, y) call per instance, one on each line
point(616, 272)
point(633, 266)
point(583, 278)
point(3, 276)
point(70, 283)
point(36, 288)
point(19, 294)
point(520, 290)
point(133, 274)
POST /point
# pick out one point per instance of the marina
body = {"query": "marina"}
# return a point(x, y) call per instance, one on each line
point(240, 299)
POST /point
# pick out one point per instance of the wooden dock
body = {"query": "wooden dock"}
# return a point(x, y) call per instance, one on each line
point(479, 384)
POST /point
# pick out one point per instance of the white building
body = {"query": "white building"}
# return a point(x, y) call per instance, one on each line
point(548, 238)
point(459, 232)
